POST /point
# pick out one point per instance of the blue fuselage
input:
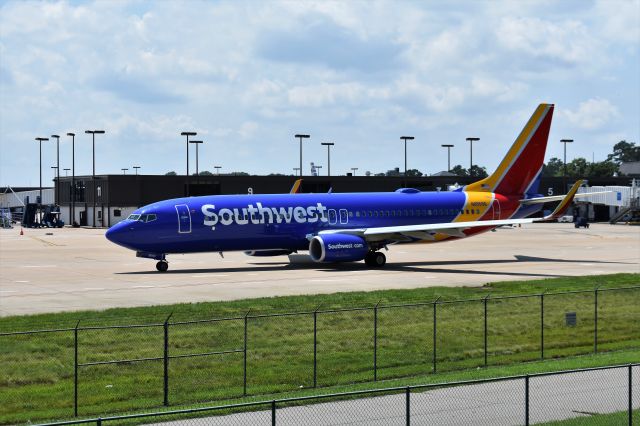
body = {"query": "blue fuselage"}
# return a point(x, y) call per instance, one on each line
point(286, 221)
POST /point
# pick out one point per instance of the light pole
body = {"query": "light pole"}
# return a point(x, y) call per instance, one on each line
point(405, 139)
point(564, 173)
point(93, 172)
point(73, 177)
point(187, 134)
point(448, 156)
point(328, 145)
point(471, 141)
point(296, 170)
point(217, 169)
point(66, 172)
point(124, 171)
point(353, 170)
point(41, 140)
point(299, 136)
point(197, 172)
point(56, 172)
point(136, 168)
point(57, 180)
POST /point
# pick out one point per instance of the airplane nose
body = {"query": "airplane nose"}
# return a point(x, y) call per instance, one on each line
point(116, 233)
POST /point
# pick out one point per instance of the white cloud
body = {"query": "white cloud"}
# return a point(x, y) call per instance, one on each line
point(619, 20)
point(567, 42)
point(353, 71)
point(592, 113)
point(325, 94)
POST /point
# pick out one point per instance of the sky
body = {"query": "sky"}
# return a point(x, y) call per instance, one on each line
point(249, 75)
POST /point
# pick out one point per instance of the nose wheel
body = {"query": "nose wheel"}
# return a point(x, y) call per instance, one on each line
point(162, 266)
point(375, 259)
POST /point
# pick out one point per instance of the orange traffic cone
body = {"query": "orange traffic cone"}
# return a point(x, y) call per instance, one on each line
point(21, 231)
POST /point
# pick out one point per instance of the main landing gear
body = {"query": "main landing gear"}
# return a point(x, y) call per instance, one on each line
point(162, 266)
point(375, 259)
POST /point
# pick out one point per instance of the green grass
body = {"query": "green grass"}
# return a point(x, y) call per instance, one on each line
point(36, 379)
point(619, 418)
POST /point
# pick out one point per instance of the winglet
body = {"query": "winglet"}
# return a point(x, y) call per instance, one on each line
point(297, 185)
point(565, 203)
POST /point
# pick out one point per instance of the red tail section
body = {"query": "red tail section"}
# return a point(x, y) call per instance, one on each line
point(522, 164)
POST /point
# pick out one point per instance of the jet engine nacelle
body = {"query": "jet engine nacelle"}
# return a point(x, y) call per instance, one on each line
point(267, 253)
point(337, 248)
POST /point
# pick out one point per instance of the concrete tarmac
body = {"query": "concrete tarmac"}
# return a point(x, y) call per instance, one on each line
point(53, 270)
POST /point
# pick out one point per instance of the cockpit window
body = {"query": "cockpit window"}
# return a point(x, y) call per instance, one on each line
point(148, 217)
point(143, 217)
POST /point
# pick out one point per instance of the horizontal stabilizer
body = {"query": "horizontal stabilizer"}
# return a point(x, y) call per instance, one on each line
point(564, 204)
point(541, 200)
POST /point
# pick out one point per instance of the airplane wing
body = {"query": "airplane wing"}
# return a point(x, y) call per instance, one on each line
point(423, 231)
point(454, 229)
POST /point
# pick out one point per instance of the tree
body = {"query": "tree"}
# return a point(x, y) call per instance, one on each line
point(578, 168)
point(554, 167)
point(414, 173)
point(603, 169)
point(171, 173)
point(478, 172)
point(624, 152)
point(459, 170)
point(205, 173)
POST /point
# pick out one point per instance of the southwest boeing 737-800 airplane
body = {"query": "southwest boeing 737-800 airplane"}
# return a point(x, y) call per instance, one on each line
point(347, 227)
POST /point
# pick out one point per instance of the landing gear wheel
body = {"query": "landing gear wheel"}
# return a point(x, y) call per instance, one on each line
point(375, 259)
point(368, 259)
point(379, 259)
point(162, 266)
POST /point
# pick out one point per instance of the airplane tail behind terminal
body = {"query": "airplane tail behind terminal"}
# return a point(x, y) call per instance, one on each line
point(519, 171)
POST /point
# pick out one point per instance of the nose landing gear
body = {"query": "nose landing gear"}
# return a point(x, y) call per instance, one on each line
point(162, 266)
point(375, 259)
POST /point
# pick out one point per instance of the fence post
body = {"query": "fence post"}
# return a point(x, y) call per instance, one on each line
point(435, 331)
point(595, 321)
point(315, 347)
point(630, 394)
point(375, 342)
point(542, 325)
point(485, 329)
point(166, 360)
point(273, 412)
point(75, 369)
point(408, 405)
point(99, 421)
point(526, 400)
point(244, 360)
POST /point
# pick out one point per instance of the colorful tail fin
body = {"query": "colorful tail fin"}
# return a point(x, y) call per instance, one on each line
point(518, 172)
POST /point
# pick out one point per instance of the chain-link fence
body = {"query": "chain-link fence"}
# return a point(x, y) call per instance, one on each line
point(92, 370)
point(595, 396)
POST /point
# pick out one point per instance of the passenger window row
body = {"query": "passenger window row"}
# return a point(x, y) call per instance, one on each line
point(412, 212)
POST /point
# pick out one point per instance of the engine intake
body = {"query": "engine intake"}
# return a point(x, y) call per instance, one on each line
point(337, 248)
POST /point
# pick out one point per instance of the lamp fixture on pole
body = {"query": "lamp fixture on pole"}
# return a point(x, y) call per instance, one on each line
point(328, 145)
point(405, 139)
point(299, 136)
point(448, 155)
point(187, 134)
point(93, 172)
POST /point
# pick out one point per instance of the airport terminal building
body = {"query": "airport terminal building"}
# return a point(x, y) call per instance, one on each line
point(108, 199)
